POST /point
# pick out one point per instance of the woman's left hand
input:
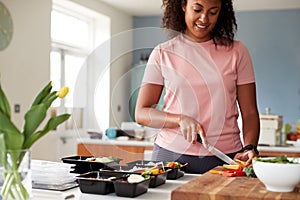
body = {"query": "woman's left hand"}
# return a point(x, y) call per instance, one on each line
point(246, 156)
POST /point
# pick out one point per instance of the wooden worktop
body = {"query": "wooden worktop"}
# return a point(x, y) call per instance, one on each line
point(217, 187)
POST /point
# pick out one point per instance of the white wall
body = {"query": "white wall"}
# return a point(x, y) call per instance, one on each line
point(25, 64)
point(120, 64)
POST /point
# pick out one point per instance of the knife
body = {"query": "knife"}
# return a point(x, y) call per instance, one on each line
point(217, 152)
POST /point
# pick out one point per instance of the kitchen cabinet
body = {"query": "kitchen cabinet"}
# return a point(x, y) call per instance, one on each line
point(273, 154)
point(126, 150)
point(290, 151)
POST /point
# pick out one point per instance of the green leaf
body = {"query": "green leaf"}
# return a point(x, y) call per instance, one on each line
point(33, 118)
point(13, 140)
point(13, 137)
point(42, 94)
point(2, 149)
point(50, 99)
point(249, 171)
point(52, 123)
point(4, 104)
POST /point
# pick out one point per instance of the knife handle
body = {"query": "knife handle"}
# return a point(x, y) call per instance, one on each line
point(199, 139)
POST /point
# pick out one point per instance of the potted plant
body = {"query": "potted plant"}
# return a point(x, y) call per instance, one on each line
point(15, 144)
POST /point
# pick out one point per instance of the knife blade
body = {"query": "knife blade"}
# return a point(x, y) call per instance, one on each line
point(217, 152)
point(220, 154)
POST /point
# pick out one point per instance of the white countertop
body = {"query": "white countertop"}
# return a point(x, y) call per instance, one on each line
point(292, 148)
point(160, 192)
point(115, 142)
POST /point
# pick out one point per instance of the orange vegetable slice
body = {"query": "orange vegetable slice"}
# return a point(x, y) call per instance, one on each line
point(213, 171)
point(235, 167)
point(241, 163)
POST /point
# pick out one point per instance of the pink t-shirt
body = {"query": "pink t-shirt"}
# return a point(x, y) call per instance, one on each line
point(200, 81)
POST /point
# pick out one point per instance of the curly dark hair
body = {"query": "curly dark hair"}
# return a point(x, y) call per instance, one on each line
point(223, 32)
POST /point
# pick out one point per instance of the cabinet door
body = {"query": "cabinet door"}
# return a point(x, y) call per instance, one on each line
point(274, 154)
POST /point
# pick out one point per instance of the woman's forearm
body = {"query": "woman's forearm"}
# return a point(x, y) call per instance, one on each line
point(156, 118)
point(251, 128)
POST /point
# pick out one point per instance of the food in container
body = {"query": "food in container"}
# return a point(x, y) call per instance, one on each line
point(157, 176)
point(126, 189)
point(175, 169)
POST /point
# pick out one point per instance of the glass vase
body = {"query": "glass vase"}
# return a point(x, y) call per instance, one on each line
point(15, 177)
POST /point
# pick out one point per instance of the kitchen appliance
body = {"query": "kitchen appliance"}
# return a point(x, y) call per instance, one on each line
point(270, 129)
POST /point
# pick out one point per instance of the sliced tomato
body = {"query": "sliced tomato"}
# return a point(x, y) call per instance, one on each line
point(238, 173)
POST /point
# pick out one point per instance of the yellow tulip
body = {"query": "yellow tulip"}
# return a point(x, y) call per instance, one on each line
point(62, 92)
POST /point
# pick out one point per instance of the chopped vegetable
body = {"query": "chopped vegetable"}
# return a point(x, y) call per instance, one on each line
point(249, 171)
point(239, 173)
point(228, 173)
point(212, 171)
point(241, 163)
point(236, 167)
point(174, 165)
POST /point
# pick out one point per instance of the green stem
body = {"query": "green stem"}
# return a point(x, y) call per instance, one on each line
point(6, 186)
point(12, 181)
point(20, 186)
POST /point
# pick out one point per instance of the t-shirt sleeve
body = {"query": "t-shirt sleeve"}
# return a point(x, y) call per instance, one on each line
point(153, 72)
point(245, 69)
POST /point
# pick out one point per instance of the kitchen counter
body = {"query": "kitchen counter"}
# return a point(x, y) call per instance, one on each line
point(288, 150)
point(131, 150)
point(115, 142)
point(160, 192)
point(295, 149)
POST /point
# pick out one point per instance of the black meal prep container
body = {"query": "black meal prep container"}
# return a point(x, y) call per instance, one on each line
point(173, 173)
point(125, 189)
point(93, 183)
point(158, 179)
point(155, 179)
point(83, 166)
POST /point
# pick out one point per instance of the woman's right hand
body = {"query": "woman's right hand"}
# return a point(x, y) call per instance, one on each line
point(189, 127)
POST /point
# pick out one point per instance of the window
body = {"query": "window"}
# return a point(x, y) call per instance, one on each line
point(75, 32)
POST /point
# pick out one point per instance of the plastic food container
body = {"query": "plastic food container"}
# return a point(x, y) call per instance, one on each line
point(96, 183)
point(82, 165)
point(174, 174)
point(155, 179)
point(158, 179)
point(125, 189)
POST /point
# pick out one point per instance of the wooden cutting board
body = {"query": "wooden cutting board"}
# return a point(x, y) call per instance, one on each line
point(217, 187)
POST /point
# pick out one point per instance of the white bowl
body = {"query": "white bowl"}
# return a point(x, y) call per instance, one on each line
point(277, 177)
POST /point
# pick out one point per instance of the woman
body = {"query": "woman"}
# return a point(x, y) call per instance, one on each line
point(204, 73)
